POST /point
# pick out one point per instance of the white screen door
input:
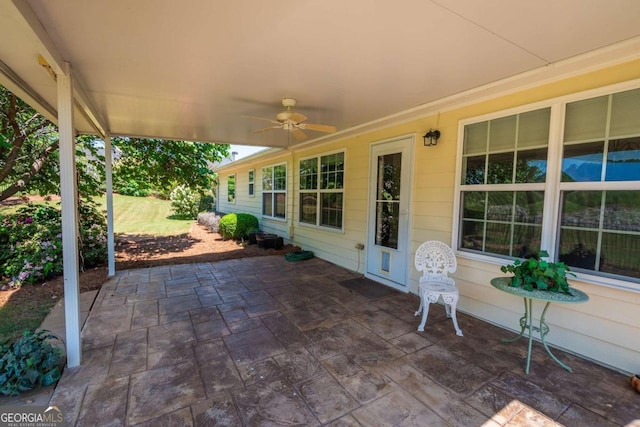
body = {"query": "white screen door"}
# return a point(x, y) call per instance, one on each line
point(388, 231)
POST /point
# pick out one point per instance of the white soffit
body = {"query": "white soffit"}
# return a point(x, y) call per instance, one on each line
point(195, 70)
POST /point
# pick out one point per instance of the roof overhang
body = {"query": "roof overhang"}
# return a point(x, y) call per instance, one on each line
point(202, 70)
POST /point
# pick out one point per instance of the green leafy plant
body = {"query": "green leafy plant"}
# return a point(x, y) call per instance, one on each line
point(29, 362)
point(535, 273)
point(130, 187)
point(207, 203)
point(237, 225)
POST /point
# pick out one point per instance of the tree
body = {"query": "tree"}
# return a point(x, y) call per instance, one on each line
point(29, 152)
point(29, 160)
point(160, 165)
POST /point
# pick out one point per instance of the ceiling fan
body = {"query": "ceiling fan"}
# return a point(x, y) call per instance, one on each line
point(293, 122)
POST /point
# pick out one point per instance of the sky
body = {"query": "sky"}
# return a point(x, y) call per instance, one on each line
point(245, 150)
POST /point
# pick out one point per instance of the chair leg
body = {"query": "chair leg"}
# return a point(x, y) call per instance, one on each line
point(447, 309)
point(455, 320)
point(425, 313)
point(417, 313)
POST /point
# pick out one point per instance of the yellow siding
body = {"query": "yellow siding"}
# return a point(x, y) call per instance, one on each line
point(604, 329)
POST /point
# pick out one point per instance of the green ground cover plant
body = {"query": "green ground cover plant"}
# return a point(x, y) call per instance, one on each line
point(29, 362)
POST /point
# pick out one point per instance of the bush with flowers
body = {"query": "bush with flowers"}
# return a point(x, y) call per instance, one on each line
point(31, 242)
point(185, 202)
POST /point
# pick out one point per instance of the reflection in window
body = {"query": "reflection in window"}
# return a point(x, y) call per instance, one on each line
point(600, 231)
point(388, 200)
point(623, 160)
point(321, 190)
point(595, 223)
point(231, 189)
point(606, 124)
point(583, 162)
point(502, 222)
point(251, 179)
point(331, 209)
point(510, 150)
point(274, 191)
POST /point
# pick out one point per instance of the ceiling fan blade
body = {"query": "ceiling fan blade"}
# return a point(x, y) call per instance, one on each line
point(266, 129)
point(317, 127)
point(297, 117)
point(261, 118)
point(298, 134)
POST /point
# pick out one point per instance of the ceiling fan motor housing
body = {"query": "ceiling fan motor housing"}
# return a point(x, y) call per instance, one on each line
point(288, 102)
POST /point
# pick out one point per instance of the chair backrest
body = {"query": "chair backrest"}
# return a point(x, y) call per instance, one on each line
point(434, 260)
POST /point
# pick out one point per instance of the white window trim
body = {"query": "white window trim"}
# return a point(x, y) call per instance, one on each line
point(318, 191)
point(552, 187)
point(274, 192)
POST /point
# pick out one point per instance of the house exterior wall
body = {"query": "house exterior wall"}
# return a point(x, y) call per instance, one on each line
point(604, 329)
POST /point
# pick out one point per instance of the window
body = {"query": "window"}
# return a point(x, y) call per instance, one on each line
point(231, 188)
point(321, 190)
point(251, 183)
point(504, 169)
point(600, 183)
point(506, 187)
point(274, 191)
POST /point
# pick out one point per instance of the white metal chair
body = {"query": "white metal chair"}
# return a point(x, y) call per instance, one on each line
point(434, 260)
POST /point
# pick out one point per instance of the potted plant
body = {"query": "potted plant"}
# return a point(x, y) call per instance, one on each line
point(535, 273)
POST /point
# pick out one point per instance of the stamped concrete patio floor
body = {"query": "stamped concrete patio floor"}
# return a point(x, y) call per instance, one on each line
point(262, 341)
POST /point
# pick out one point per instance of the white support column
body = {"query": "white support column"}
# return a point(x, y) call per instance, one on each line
point(109, 184)
point(69, 201)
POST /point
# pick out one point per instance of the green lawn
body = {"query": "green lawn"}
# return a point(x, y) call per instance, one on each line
point(145, 215)
point(137, 215)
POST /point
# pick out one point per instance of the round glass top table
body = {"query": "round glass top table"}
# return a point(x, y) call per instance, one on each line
point(574, 296)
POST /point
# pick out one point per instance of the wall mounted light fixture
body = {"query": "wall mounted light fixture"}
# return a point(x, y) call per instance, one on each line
point(431, 137)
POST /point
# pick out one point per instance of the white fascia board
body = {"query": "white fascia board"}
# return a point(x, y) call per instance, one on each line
point(54, 59)
point(13, 82)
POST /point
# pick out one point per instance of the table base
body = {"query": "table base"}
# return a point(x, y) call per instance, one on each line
point(526, 322)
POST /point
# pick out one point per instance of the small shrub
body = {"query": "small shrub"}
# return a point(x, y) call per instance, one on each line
point(184, 202)
point(130, 188)
point(29, 362)
point(211, 220)
point(237, 226)
point(207, 203)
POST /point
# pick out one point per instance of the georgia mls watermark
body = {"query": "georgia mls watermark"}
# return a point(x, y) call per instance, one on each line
point(31, 416)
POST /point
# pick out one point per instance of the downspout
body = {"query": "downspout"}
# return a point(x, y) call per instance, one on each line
point(293, 198)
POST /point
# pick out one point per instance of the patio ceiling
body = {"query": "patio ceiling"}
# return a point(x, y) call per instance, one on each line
point(195, 70)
